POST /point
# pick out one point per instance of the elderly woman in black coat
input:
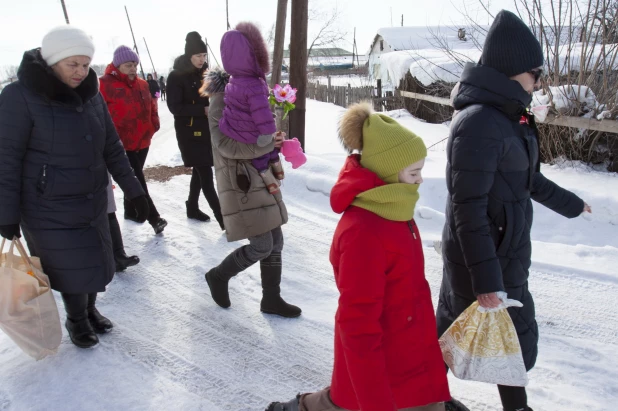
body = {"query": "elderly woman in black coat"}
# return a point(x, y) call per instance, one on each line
point(57, 143)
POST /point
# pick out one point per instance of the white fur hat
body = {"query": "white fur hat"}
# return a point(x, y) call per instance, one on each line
point(66, 41)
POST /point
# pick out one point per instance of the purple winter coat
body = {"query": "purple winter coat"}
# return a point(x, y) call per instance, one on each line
point(247, 114)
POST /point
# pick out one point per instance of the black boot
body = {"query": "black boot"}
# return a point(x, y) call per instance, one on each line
point(130, 213)
point(100, 324)
point(123, 261)
point(454, 405)
point(292, 405)
point(194, 213)
point(77, 324)
point(218, 277)
point(159, 225)
point(272, 303)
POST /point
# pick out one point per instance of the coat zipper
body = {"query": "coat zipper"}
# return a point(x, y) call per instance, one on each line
point(411, 226)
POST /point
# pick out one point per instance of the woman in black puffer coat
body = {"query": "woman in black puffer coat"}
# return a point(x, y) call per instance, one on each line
point(57, 143)
point(190, 112)
point(493, 173)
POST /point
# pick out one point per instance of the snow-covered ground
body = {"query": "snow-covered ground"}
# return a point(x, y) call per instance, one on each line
point(173, 348)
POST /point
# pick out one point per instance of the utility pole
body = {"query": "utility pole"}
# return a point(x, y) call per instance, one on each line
point(298, 67)
point(227, 14)
point(150, 57)
point(64, 9)
point(282, 11)
point(354, 48)
point(402, 20)
point(134, 43)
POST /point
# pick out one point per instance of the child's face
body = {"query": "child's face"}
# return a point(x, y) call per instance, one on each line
point(412, 173)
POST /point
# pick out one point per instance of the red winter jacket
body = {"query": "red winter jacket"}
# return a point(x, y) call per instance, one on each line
point(134, 111)
point(387, 355)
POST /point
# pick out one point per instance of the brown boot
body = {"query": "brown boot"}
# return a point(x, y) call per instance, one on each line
point(277, 169)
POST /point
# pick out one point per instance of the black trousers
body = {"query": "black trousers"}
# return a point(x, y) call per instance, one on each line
point(137, 160)
point(202, 179)
point(513, 398)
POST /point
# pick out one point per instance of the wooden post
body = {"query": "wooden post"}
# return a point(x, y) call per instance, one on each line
point(379, 107)
point(227, 14)
point(282, 11)
point(150, 57)
point(134, 43)
point(298, 67)
point(64, 10)
point(354, 47)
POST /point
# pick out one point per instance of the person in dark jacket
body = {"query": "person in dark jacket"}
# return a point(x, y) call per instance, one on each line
point(493, 172)
point(190, 112)
point(155, 90)
point(57, 143)
point(136, 117)
point(162, 87)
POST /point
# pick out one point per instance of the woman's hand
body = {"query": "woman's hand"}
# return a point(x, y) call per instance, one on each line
point(279, 136)
point(490, 300)
point(587, 208)
point(206, 110)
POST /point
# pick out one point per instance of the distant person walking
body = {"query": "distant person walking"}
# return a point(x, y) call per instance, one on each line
point(135, 115)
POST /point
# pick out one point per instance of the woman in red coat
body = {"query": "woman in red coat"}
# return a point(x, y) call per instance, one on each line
point(136, 117)
point(387, 355)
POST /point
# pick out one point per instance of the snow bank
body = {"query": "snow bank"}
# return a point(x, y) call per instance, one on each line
point(564, 98)
point(434, 54)
point(423, 38)
point(172, 347)
point(428, 66)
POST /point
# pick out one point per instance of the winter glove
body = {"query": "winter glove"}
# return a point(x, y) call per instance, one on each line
point(142, 208)
point(10, 231)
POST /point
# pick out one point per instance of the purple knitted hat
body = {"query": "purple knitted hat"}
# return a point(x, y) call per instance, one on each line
point(123, 54)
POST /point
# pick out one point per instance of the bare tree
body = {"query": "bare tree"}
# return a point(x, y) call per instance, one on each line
point(270, 37)
point(324, 29)
point(9, 73)
point(99, 69)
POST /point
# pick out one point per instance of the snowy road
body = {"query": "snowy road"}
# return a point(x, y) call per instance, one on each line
point(173, 348)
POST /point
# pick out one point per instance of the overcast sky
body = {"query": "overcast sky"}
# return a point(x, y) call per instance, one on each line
point(165, 23)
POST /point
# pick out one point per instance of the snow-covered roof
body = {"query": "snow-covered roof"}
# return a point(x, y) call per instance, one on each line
point(429, 37)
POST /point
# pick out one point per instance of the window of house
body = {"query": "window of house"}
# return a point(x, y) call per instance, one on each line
point(381, 45)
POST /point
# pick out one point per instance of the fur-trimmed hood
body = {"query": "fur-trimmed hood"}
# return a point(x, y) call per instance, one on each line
point(214, 82)
point(244, 52)
point(36, 75)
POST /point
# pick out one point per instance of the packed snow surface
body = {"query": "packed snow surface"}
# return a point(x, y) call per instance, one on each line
point(173, 348)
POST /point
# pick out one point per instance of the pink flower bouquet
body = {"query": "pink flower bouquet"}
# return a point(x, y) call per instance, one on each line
point(283, 97)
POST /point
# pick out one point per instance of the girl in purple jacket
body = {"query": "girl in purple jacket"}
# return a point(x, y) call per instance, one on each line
point(247, 117)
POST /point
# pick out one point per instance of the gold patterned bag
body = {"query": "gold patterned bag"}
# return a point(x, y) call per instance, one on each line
point(482, 345)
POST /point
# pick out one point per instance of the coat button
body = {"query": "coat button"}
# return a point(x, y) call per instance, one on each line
point(499, 228)
point(79, 109)
point(410, 318)
point(90, 196)
point(88, 137)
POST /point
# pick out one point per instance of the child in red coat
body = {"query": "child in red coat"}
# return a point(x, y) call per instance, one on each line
point(387, 356)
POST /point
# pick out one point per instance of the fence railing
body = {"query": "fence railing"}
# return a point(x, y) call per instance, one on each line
point(343, 96)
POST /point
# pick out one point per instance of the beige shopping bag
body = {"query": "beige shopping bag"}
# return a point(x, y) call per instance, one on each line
point(482, 345)
point(28, 311)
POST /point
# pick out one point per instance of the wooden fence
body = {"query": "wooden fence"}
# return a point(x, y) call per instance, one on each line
point(343, 96)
